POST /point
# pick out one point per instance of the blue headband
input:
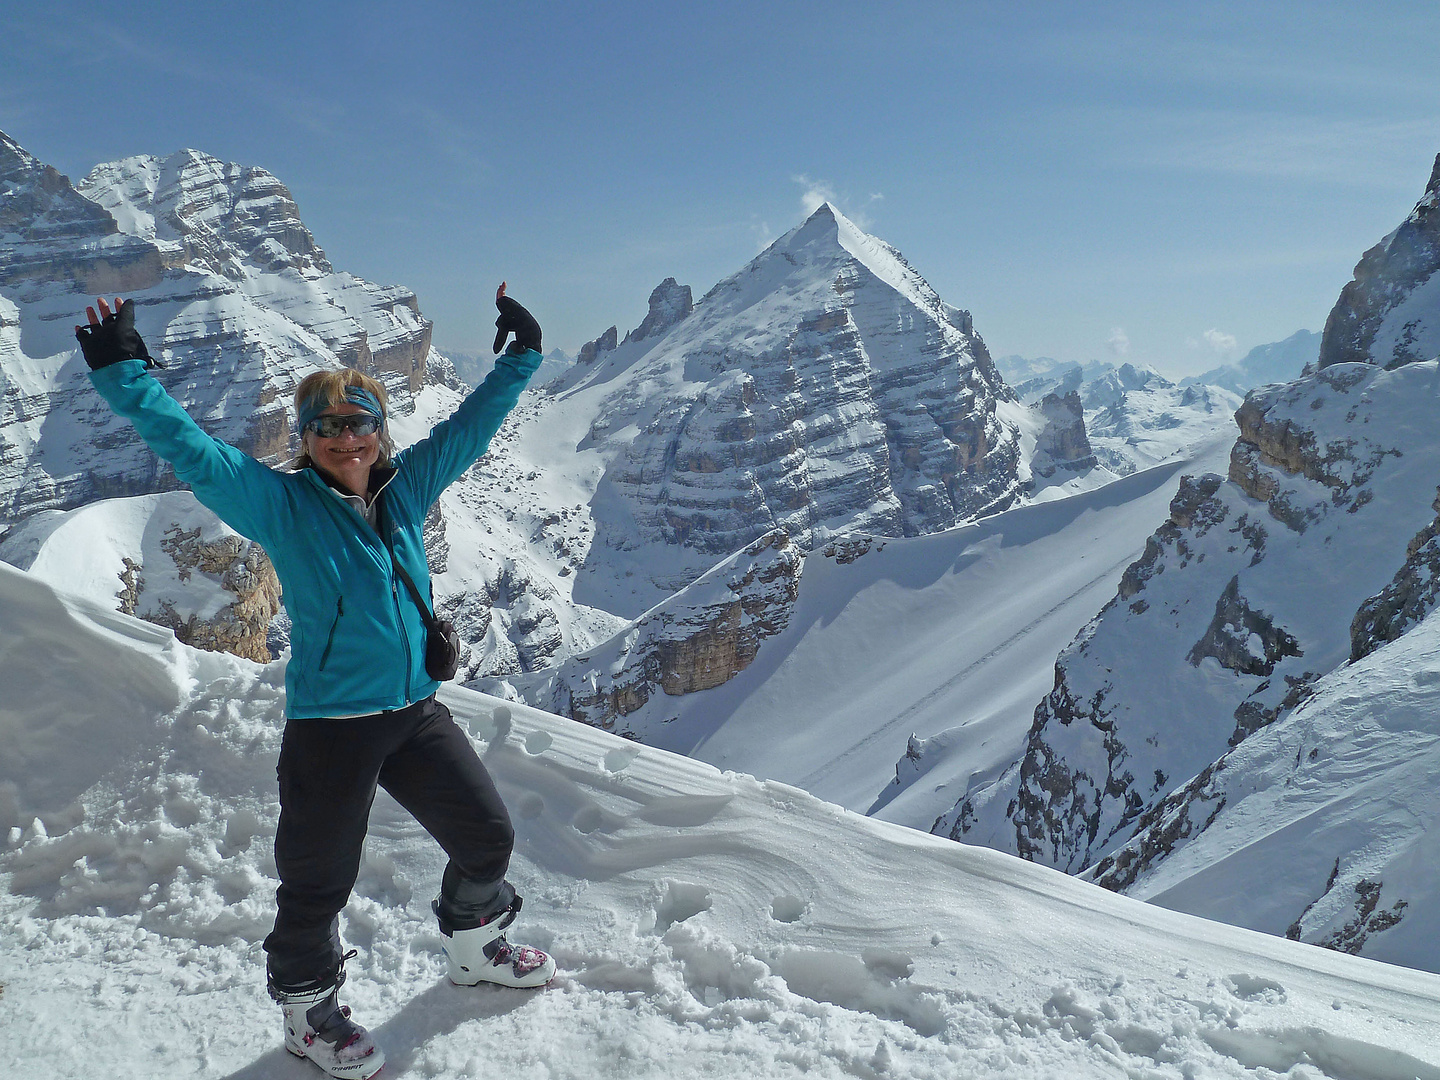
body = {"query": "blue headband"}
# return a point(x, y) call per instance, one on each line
point(356, 395)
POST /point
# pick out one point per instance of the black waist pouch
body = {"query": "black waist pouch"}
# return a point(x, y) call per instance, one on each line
point(442, 649)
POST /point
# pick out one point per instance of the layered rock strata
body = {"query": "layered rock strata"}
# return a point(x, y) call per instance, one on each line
point(698, 639)
point(824, 388)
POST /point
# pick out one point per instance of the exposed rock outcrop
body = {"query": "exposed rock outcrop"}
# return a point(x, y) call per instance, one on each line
point(669, 303)
point(698, 639)
point(1062, 443)
point(1410, 596)
point(1390, 313)
point(593, 350)
point(238, 566)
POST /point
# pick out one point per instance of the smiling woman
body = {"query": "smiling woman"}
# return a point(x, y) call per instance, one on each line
point(342, 427)
point(343, 527)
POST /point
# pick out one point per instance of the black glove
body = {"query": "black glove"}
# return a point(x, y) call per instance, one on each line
point(115, 339)
point(516, 318)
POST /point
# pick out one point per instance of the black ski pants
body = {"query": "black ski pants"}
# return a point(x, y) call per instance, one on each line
point(328, 772)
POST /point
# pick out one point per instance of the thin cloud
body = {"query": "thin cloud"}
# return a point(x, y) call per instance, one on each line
point(1221, 342)
point(815, 191)
point(1118, 342)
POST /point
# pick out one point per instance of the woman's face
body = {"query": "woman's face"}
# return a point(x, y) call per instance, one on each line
point(347, 457)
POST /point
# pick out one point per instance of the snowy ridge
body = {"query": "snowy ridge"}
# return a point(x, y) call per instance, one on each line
point(949, 637)
point(1335, 806)
point(1243, 600)
point(704, 922)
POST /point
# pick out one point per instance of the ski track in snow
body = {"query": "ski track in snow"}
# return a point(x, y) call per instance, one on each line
point(706, 923)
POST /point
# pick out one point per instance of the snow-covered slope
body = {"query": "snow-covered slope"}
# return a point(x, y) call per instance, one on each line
point(1176, 754)
point(1243, 598)
point(929, 652)
point(1335, 807)
point(706, 923)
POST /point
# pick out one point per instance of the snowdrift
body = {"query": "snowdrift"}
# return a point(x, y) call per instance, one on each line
point(706, 923)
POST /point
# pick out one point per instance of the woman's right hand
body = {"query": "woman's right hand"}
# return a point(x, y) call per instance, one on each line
point(516, 318)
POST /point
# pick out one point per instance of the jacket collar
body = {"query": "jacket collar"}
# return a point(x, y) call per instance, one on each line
point(380, 477)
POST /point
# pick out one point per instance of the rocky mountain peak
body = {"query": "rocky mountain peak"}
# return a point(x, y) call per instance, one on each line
point(669, 303)
point(1390, 313)
point(50, 232)
point(822, 388)
point(233, 220)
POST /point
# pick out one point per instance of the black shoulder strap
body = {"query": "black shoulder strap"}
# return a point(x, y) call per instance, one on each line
point(425, 614)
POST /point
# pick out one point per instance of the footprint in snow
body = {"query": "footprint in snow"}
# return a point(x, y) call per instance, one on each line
point(788, 908)
point(1255, 988)
point(620, 758)
point(683, 900)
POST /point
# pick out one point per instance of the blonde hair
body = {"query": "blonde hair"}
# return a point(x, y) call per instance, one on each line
point(327, 388)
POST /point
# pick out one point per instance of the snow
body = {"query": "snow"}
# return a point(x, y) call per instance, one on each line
point(706, 923)
point(1339, 792)
point(951, 637)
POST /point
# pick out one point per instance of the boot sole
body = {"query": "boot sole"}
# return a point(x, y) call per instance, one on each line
point(354, 1073)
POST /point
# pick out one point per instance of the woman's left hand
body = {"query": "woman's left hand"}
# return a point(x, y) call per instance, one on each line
point(111, 336)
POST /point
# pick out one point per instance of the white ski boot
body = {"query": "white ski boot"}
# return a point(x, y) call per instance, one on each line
point(483, 955)
point(318, 1027)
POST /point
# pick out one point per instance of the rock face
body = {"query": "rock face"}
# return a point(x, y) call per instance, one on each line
point(1411, 595)
point(669, 304)
point(50, 233)
point(232, 293)
point(240, 567)
point(1241, 601)
point(163, 558)
point(606, 342)
point(824, 388)
point(1390, 313)
point(1062, 442)
point(698, 639)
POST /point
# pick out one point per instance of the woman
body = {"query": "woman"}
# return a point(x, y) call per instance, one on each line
point(343, 530)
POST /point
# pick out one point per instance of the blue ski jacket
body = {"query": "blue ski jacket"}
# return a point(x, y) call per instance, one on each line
point(357, 640)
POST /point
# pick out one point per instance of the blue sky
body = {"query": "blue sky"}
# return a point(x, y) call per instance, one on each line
point(1168, 183)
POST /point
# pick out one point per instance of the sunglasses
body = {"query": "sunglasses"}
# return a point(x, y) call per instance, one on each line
point(331, 426)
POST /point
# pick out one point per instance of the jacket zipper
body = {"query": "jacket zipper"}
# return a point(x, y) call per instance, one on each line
point(330, 639)
point(404, 637)
point(386, 525)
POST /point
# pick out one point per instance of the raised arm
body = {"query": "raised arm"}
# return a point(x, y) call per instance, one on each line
point(247, 495)
point(453, 445)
